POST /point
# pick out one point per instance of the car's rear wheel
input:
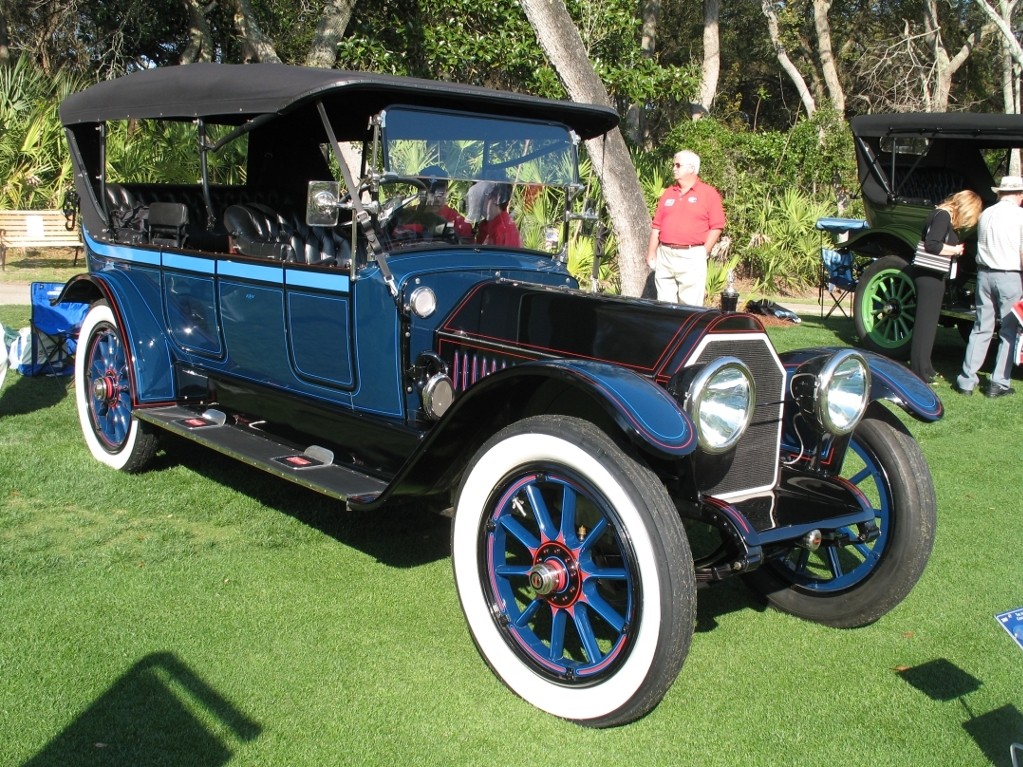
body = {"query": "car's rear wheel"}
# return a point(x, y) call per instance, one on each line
point(573, 571)
point(855, 584)
point(103, 393)
point(884, 308)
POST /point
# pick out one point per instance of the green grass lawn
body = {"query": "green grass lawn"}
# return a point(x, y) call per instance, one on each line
point(46, 265)
point(202, 613)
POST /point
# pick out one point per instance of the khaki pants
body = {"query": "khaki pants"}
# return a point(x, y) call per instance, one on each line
point(681, 275)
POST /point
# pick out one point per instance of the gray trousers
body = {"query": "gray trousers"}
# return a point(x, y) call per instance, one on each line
point(997, 292)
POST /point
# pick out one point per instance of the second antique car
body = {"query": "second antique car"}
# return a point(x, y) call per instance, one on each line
point(907, 164)
point(315, 294)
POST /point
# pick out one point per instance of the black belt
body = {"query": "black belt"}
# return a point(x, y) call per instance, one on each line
point(983, 268)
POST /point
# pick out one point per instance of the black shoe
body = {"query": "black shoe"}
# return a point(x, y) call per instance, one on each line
point(965, 392)
point(996, 390)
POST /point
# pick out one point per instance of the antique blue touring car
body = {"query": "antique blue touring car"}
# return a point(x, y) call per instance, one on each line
point(315, 293)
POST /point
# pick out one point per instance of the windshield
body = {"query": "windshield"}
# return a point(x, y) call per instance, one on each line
point(473, 147)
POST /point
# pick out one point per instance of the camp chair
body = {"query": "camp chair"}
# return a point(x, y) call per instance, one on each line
point(837, 278)
point(838, 273)
point(54, 331)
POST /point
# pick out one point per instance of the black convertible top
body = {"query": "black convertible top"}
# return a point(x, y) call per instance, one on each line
point(994, 130)
point(235, 93)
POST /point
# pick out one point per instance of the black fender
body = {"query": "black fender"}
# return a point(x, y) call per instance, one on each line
point(876, 243)
point(889, 380)
point(643, 413)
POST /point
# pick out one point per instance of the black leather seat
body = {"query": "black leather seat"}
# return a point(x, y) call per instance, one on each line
point(128, 217)
point(316, 244)
point(168, 224)
point(255, 230)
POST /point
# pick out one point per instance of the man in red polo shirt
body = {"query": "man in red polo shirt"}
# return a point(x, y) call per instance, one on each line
point(687, 224)
point(497, 227)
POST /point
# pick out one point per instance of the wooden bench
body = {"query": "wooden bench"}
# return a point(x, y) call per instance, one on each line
point(36, 229)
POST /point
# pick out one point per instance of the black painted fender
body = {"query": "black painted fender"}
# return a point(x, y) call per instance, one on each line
point(645, 413)
point(889, 380)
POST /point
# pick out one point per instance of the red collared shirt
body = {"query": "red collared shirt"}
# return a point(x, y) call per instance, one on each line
point(500, 230)
point(453, 217)
point(685, 219)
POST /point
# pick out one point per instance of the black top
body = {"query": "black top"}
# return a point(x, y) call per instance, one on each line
point(235, 93)
point(938, 231)
point(997, 130)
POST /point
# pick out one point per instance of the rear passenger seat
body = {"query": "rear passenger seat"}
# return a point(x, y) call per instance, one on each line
point(250, 223)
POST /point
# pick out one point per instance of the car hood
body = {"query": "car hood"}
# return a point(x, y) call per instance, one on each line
point(651, 338)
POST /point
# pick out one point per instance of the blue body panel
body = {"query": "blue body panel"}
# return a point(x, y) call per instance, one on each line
point(311, 332)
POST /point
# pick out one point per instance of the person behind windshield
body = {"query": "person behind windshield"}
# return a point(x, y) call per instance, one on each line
point(497, 226)
point(437, 201)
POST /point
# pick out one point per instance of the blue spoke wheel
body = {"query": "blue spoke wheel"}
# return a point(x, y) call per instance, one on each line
point(104, 395)
point(573, 571)
point(854, 584)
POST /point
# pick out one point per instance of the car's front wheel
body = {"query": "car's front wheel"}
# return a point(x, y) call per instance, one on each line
point(573, 571)
point(103, 393)
point(856, 583)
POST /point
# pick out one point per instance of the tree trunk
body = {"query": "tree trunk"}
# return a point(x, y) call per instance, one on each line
point(1003, 21)
point(5, 53)
point(200, 38)
point(827, 56)
point(256, 47)
point(1004, 25)
point(630, 219)
point(1012, 64)
point(635, 120)
point(711, 58)
point(945, 67)
point(783, 58)
point(333, 22)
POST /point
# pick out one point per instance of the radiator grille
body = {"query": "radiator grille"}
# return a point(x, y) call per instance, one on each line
point(753, 465)
point(468, 367)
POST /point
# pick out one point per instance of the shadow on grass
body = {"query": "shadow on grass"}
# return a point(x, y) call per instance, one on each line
point(994, 731)
point(24, 267)
point(841, 328)
point(21, 395)
point(398, 536)
point(145, 717)
point(729, 596)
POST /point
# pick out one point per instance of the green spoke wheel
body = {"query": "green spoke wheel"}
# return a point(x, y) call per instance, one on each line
point(885, 307)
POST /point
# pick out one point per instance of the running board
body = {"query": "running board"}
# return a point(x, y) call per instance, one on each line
point(313, 467)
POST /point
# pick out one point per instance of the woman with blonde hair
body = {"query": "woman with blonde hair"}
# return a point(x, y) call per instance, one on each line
point(934, 261)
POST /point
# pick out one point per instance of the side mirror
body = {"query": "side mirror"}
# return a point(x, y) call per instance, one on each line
point(322, 203)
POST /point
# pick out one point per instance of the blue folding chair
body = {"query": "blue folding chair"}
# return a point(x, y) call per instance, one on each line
point(838, 275)
point(837, 278)
point(54, 331)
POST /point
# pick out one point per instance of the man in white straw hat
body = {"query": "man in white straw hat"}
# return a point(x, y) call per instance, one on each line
point(999, 264)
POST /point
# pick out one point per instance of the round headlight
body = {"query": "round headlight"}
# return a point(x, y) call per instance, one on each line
point(423, 302)
point(438, 394)
point(720, 402)
point(842, 389)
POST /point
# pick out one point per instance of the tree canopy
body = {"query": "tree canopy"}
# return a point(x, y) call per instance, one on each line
point(885, 55)
point(761, 89)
